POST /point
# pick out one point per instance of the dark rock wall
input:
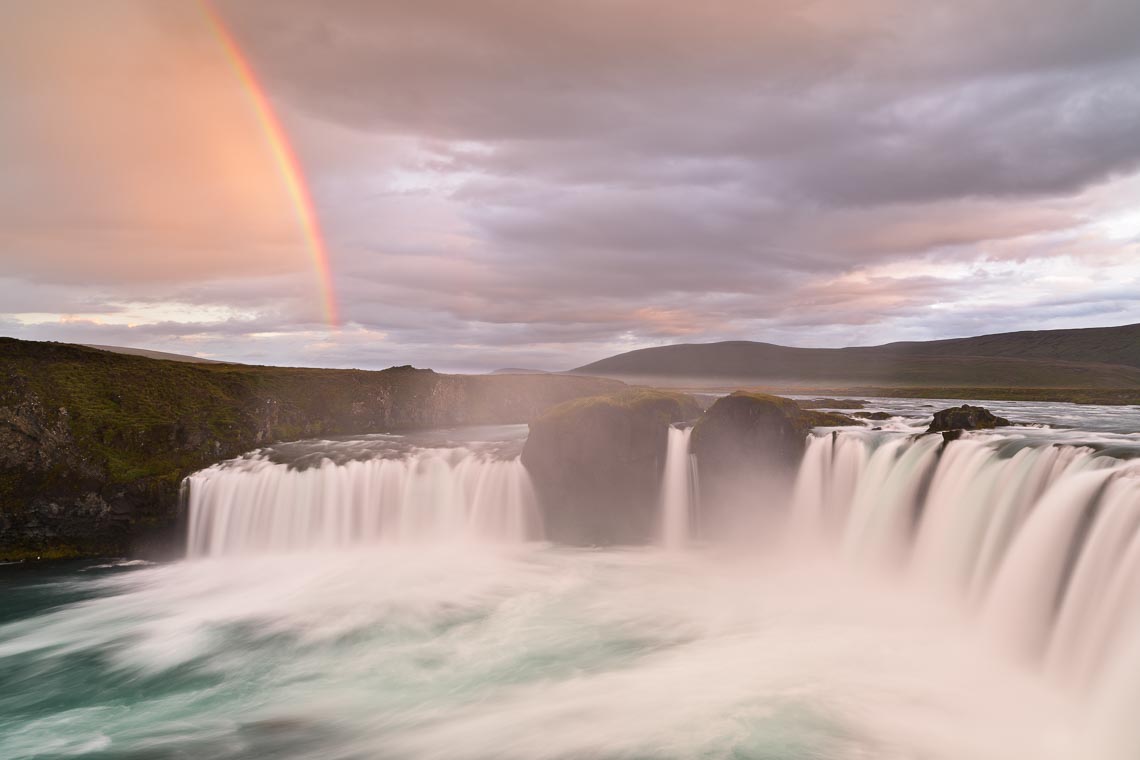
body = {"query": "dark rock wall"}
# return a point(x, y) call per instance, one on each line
point(597, 465)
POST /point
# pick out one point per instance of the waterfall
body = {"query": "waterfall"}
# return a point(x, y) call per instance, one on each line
point(254, 505)
point(1041, 540)
point(677, 490)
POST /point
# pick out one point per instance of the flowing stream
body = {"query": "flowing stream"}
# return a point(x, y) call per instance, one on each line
point(392, 597)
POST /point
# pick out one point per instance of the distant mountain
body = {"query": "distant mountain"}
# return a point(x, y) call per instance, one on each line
point(155, 354)
point(1103, 357)
point(519, 371)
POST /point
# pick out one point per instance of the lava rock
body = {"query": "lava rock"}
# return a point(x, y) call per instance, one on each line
point(873, 415)
point(748, 447)
point(596, 464)
point(965, 417)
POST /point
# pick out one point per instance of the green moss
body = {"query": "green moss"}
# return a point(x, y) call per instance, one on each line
point(786, 405)
point(802, 419)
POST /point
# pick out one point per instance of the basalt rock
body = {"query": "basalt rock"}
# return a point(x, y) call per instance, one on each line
point(965, 417)
point(597, 463)
point(878, 416)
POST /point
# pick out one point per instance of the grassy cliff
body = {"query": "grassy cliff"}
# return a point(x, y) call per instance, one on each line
point(93, 445)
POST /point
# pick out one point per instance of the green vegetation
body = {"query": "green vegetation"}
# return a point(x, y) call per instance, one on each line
point(665, 404)
point(803, 418)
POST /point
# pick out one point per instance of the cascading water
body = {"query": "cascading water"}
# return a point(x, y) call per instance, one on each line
point(1041, 539)
point(442, 643)
point(677, 490)
point(254, 505)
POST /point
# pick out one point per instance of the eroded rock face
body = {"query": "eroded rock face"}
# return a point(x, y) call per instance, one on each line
point(597, 463)
point(965, 417)
point(747, 447)
point(740, 430)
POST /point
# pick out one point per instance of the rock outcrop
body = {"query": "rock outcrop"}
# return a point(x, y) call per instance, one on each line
point(748, 446)
point(596, 464)
point(877, 416)
point(965, 417)
point(94, 445)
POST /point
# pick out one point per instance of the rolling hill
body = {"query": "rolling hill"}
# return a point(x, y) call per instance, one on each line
point(146, 352)
point(1093, 358)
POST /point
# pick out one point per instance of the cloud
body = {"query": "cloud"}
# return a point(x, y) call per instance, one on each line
point(506, 183)
point(131, 152)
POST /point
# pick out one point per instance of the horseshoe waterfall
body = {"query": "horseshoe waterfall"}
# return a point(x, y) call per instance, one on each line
point(969, 596)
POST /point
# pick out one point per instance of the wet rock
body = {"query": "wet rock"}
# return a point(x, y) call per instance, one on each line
point(878, 416)
point(965, 417)
point(597, 463)
point(748, 446)
point(743, 428)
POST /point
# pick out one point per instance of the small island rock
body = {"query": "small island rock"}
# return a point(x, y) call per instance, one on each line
point(965, 417)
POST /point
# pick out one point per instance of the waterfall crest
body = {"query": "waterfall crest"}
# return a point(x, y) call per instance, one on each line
point(1041, 540)
point(253, 505)
point(677, 490)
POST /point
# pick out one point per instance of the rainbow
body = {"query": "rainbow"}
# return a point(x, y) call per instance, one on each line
point(286, 160)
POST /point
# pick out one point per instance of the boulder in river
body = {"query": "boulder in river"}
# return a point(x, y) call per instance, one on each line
point(965, 417)
point(878, 416)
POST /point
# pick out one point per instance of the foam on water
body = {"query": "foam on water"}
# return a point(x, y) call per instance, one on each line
point(528, 652)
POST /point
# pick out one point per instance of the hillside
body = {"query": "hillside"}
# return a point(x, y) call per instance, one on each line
point(94, 444)
point(154, 354)
point(1096, 358)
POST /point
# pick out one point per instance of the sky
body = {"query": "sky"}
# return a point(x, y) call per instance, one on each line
point(543, 184)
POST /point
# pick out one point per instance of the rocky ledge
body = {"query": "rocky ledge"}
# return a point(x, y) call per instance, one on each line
point(965, 417)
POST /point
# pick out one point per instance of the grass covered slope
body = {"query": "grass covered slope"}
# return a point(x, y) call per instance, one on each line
point(1101, 358)
point(93, 444)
